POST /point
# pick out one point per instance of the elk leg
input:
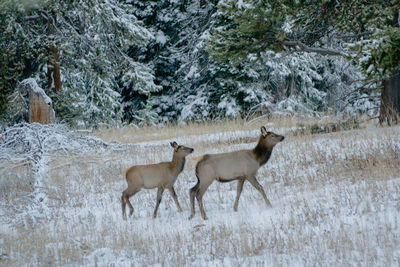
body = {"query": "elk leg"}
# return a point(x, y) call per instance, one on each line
point(193, 193)
point(239, 191)
point(199, 196)
point(173, 194)
point(123, 204)
point(160, 191)
point(125, 200)
point(257, 186)
point(129, 203)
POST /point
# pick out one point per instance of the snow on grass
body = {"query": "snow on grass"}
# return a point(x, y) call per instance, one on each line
point(335, 201)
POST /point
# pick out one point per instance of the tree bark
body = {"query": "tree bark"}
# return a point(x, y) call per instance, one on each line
point(40, 105)
point(390, 100)
point(39, 110)
point(53, 70)
point(53, 67)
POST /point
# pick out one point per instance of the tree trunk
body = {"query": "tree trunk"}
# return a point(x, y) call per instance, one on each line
point(39, 110)
point(40, 105)
point(53, 68)
point(390, 100)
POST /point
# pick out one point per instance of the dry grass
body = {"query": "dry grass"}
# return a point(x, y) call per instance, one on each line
point(335, 202)
point(131, 134)
point(16, 180)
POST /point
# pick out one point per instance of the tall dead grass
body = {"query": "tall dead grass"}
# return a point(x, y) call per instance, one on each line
point(132, 134)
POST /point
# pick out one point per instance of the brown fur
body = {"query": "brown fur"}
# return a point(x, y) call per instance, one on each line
point(161, 175)
point(239, 165)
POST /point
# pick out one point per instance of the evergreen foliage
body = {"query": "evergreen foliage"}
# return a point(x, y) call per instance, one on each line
point(150, 62)
point(368, 29)
point(91, 37)
point(197, 87)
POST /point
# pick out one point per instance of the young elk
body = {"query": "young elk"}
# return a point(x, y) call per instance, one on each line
point(239, 165)
point(161, 175)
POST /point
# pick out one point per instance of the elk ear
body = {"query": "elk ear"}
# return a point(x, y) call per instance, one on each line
point(174, 144)
point(264, 131)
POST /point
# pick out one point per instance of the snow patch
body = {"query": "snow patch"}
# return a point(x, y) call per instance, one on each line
point(32, 84)
point(161, 38)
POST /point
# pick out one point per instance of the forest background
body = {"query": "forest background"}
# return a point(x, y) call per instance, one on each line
point(105, 62)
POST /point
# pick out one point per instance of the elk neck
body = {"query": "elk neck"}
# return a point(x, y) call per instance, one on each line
point(177, 163)
point(262, 152)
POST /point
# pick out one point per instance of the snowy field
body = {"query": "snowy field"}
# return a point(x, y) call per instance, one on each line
point(335, 202)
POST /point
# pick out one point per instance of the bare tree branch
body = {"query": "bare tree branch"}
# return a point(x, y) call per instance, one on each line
point(301, 47)
point(357, 98)
point(364, 87)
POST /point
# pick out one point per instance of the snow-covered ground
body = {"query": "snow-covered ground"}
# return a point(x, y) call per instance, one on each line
point(335, 202)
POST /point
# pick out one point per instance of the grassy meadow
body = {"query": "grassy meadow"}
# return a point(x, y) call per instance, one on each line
point(335, 200)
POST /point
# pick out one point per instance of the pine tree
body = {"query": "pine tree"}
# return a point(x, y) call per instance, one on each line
point(87, 41)
point(366, 32)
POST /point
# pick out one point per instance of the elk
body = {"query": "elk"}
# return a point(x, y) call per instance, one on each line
point(239, 165)
point(161, 175)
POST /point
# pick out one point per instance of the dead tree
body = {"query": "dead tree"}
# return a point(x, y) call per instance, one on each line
point(390, 100)
point(40, 105)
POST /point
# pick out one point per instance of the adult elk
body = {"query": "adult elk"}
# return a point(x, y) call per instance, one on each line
point(161, 175)
point(239, 165)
